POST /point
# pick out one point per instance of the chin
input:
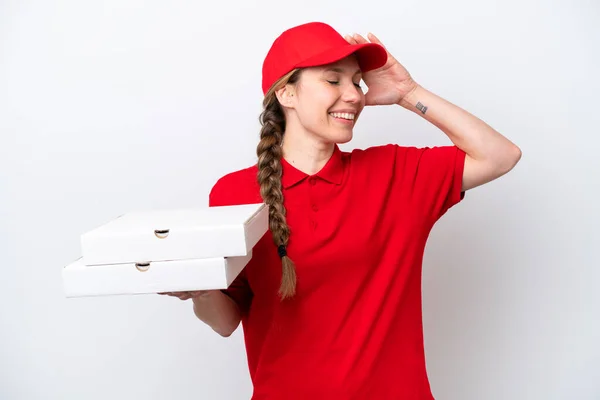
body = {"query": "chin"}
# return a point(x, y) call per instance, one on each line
point(336, 136)
point(337, 139)
point(343, 139)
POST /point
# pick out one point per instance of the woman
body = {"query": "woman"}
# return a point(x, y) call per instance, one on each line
point(331, 301)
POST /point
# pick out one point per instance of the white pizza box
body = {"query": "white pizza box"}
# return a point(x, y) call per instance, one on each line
point(176, 234)
point(81, 280)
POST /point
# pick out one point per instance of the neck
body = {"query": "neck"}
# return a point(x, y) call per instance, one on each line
point(306, 153)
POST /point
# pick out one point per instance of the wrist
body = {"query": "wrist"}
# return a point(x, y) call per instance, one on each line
point(411, 99)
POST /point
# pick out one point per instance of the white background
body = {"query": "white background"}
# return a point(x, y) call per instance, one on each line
point(107, 107)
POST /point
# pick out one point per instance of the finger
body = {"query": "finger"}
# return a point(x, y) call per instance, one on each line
point(350, 39)
point(374, 39)
point(359, 39)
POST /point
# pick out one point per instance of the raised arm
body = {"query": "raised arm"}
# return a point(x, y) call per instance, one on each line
point(489, 155)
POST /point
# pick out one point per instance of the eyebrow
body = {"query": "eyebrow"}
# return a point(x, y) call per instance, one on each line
point(341, 70)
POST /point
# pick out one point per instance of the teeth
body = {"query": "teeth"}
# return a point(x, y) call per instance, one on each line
point(343, 115)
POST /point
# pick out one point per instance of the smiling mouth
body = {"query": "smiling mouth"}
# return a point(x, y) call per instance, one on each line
point(343, 116)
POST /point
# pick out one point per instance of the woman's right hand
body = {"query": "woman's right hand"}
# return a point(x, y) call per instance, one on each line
point(186, 295)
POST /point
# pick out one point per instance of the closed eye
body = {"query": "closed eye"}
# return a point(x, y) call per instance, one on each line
point(337, 83)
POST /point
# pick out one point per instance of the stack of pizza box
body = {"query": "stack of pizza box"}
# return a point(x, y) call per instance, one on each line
point(159, 251)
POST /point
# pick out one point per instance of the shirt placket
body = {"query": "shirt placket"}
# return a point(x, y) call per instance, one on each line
point(313, 200)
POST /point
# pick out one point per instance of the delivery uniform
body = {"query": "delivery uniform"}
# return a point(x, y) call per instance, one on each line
point(358, 233)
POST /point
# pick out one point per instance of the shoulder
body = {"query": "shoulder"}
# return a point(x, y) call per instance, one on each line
point(377, 157)
point(235, 188)
point(379, 152)
point(393, 162)
point(393, 154)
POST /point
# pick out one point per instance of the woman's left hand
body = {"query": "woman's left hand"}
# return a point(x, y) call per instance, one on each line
point(388, 84)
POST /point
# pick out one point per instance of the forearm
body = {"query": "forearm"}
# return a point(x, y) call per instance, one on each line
point(219, 311)
point(470, 134)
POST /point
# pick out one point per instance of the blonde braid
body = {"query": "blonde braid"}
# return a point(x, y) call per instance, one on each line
point(269, 154)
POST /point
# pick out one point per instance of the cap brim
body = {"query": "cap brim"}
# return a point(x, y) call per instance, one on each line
point(370, 56)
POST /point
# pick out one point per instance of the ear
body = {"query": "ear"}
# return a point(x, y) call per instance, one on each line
point(286, 96)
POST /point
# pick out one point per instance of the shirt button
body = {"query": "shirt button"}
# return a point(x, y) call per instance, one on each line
point(312, 181)
point(315, 208)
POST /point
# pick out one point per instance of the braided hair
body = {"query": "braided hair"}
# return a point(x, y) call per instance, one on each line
point(269, 152)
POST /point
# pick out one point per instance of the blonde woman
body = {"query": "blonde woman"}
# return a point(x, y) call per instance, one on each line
point(331, 301)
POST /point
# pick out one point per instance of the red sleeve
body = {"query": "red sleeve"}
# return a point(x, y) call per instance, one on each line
point(239, 290)
point(434, 176)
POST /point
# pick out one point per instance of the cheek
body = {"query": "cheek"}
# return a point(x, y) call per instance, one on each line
point(316, 110)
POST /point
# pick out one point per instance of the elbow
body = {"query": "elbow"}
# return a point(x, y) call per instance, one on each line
point(506, 160)
point(228, 330)
point(481, 171)
point(513, 156)
point(225, 334)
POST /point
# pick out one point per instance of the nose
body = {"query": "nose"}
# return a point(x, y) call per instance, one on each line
point(351, 93)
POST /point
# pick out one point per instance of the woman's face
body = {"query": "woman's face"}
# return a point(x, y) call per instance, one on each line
point(327, 101)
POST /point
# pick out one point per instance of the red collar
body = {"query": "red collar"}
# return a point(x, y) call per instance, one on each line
point(332, 172)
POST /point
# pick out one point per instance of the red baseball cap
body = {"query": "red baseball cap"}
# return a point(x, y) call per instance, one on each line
point(314, 44)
